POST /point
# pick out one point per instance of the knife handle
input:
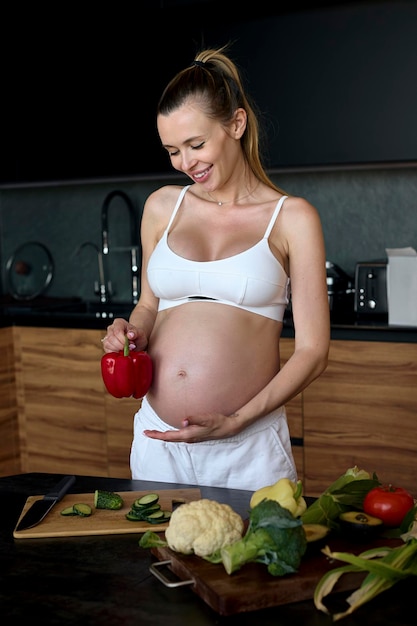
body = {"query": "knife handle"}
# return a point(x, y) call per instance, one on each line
point(60, 489)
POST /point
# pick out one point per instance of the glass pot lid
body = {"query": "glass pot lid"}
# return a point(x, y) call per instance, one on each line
point(29, 271)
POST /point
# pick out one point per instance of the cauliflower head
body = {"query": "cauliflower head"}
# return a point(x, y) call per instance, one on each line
point(202, 527)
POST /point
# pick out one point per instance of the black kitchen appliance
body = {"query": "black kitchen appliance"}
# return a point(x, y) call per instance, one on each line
point(371, 299)
point(340, 292)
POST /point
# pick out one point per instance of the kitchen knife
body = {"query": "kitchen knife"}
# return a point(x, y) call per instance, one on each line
point(40, 508)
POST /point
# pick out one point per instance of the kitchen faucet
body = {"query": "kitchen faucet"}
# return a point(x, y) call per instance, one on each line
point(133, 247)
point(100, 287)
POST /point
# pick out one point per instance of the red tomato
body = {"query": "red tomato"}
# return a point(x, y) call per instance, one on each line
point(390, 504)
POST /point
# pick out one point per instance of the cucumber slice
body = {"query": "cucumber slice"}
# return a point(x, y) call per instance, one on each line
point(142, 512)
point(81, 509)
point(107, 500)
point(162, 520)
point(146, 509)
point(133, 517)
point(68, 511)
point(154, 518)
point(146, 500)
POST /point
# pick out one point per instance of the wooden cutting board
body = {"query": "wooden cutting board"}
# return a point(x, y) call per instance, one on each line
point(252, 588)
point(102, 521)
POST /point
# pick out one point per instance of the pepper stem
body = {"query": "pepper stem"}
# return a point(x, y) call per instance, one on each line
point(298, 490)
point(126, 348)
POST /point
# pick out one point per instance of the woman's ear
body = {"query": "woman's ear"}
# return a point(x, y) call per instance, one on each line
point(238, 125)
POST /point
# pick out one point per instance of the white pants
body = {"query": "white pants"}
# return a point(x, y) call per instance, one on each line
point(256, 457)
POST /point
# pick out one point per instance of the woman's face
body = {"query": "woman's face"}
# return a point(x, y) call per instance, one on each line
point(201, 147)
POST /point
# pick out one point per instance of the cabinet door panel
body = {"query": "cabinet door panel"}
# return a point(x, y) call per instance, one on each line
point(9, 440)
point(120, 414)
point(362, 411)
point(61, 401)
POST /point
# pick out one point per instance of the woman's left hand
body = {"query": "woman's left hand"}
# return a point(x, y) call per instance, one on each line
point(199, 428)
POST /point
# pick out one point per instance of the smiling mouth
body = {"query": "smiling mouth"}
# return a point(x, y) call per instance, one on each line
point(201, 175)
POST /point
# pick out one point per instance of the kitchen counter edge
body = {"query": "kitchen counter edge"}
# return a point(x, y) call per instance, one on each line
point(348, 332)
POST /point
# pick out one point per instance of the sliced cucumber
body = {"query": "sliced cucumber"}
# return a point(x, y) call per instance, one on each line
point(155, 516)
point(147, 509)
point(158, 520)
point(144, 510)
point(133, 517)
point(146, 500)
point(82, 509)
point(138, 514)
point(68, 511)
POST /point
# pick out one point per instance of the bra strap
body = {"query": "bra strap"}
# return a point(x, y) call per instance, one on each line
point(274, 216)
point(177, 206)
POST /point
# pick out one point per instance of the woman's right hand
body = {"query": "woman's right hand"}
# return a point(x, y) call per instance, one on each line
point(114, 340)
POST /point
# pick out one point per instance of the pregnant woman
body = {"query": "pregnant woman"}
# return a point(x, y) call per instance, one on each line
point(221, 257)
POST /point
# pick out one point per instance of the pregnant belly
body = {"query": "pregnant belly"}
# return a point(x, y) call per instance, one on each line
point(210, 358)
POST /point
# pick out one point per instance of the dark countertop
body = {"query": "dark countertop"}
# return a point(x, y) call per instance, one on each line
point(60, 313)
point(105, 580)
point(74, 313)
point(352, 331)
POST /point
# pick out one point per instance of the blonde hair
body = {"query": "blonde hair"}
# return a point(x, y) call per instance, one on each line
point(215, 81)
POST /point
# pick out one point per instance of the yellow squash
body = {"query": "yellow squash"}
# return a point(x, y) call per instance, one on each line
point(286, 492)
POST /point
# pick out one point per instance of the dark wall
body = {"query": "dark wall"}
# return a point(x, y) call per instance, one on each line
point(335, 82)
point(81, 89)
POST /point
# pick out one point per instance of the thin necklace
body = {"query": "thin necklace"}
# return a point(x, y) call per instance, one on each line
point(230, 201)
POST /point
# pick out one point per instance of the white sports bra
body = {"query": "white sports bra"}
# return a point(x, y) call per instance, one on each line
point(252, 280)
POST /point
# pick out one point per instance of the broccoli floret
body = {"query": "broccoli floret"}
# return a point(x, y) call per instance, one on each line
point(274, 537)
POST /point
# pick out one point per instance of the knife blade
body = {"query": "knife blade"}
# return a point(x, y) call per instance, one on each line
point(40, 508)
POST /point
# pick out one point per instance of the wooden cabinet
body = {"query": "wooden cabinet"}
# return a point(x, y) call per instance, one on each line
point(120, 414)
point(56, 414)
point(363, 411)
point(60, 401)
point(9, 431)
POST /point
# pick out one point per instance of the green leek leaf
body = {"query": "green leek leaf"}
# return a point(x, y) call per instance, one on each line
point(385, 566)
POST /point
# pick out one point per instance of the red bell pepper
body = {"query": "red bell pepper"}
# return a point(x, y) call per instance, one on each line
point(127, 373)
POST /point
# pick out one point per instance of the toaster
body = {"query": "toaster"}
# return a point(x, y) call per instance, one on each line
point(371, 297)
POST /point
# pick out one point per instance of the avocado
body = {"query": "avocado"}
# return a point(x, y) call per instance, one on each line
point(315, 532)
point(359, 526)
